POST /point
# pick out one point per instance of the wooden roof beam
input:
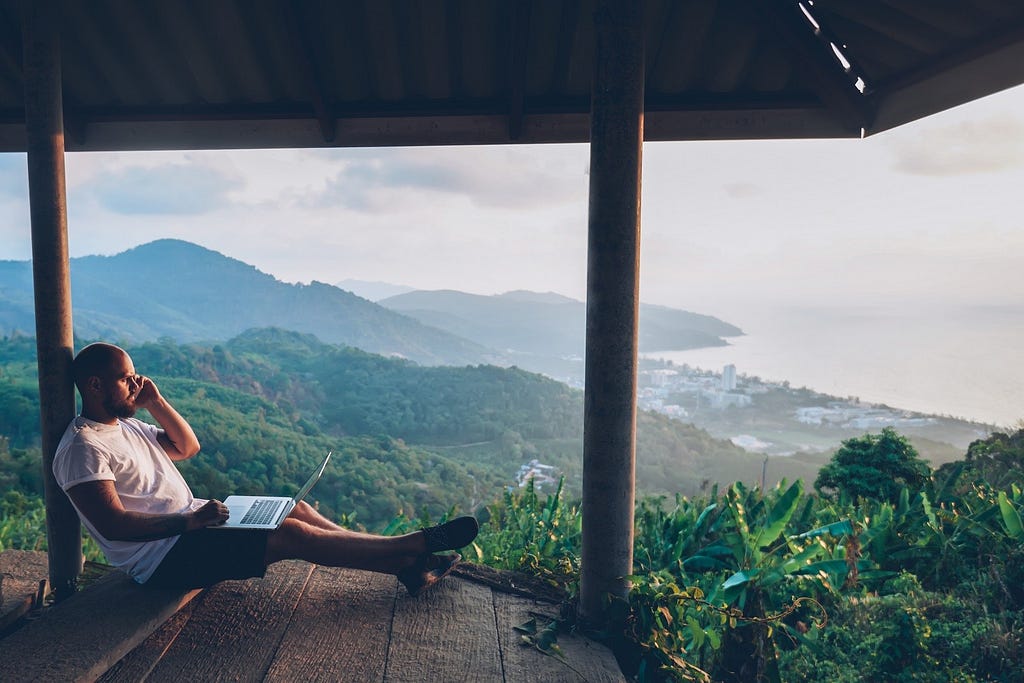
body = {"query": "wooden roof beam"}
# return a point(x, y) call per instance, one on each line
point(568, 24)
point(314, 87)
point(979, 68)
point(835, 83)
point(518, 45)
point(453, 27)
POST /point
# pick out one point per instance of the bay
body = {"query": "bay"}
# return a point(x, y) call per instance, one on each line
point(965, 362)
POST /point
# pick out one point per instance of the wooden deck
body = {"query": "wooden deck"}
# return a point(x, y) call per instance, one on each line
point(308, 623)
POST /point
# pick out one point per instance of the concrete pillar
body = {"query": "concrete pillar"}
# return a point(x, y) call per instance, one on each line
point(44, 130)
point(613, 282)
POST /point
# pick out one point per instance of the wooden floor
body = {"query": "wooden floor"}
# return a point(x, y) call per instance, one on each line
point(307, 623)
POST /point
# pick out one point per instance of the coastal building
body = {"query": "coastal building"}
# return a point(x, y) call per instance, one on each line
point(729, 377)
point(539, 472)
point(726, 399)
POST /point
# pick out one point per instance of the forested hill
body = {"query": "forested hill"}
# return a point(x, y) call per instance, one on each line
point(268, 403)
point(171, 288)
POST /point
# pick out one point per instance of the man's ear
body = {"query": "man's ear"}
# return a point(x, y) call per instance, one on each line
point(95, 384)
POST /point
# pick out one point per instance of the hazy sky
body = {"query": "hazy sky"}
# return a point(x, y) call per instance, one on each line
point(929, 213)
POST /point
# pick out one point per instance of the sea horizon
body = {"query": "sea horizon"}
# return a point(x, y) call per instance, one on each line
point(964, 362)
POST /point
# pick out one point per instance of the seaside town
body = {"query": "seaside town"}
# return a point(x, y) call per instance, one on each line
point(774, 418)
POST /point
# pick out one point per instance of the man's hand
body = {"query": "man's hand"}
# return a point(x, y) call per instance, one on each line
point(211, 514)
point(147, 394)
point(177, 439)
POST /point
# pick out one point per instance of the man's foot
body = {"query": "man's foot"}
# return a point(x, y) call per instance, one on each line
point(428, 570)
point(452, 535)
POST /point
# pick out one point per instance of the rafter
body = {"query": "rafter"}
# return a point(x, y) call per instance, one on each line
point(300, 49)
point(814, 54)
point(518, 45)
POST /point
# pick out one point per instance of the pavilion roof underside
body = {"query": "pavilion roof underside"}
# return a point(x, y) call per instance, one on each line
point(209, 74)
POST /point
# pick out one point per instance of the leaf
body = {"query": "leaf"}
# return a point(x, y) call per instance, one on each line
point(527, 627)
point(803, 558)
point(780, 514)
point(740, 578)
point(1011, 518)
point(834, 567)
point(841, 528)
point(703, 563)
point(703, 516)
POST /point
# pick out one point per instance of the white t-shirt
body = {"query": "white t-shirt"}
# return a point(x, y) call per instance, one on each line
point(128, 454)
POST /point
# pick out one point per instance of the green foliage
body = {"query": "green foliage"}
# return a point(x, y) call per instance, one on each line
point(910, 634)
point(874, 466)
point(997, 460)
point(23, 526)
point(527, 532)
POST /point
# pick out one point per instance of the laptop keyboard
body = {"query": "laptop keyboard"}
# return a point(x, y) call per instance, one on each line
point(261, 512)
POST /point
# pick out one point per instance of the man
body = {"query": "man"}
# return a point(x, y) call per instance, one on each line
point(118, 473)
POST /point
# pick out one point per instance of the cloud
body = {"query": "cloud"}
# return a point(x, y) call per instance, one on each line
point(178, 189)
point(742, 190)
point(968, 147)
point(358, 184)
point(529, 177)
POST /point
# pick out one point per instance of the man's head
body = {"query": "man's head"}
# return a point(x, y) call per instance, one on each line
point(106, 379)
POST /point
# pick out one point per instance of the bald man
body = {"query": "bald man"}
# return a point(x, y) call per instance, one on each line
point(120, 476)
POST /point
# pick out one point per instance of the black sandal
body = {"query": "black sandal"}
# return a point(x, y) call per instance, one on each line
point(427, 571)
point(458, 533)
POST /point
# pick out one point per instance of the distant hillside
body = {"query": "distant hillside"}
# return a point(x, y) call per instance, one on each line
point(373, 290)
point(549, 324)
point(171, 288)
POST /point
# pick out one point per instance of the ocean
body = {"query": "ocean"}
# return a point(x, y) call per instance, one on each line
point(965, 362)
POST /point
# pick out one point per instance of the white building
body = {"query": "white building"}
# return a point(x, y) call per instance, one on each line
point(729, 377)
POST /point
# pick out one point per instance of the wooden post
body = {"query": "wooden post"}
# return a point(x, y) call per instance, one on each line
point(44, 132)
point(613, 281)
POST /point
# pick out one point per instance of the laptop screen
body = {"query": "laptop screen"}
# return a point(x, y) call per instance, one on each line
point(313, 479)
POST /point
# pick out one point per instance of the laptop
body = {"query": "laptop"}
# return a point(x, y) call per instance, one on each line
point(266, 512)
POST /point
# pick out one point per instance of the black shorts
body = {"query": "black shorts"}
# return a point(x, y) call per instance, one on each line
point(204, 557)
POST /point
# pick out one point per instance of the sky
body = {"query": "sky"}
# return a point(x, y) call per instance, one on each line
point(928, 214)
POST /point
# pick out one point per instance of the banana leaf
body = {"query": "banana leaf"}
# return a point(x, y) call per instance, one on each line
point(841, 528)
point(780, 515)
point(1011, 518)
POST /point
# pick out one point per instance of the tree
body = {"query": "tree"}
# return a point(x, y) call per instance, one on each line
point(999, 459)
point(874, 466)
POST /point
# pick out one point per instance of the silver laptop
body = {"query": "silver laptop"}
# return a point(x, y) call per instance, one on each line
point(266, 512)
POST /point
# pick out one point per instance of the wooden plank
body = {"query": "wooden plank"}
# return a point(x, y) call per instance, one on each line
point(138, 663)
point(83, 636)
point(235, 631)
point(340, 629)
point(445, 635)
point(20, 574)
point(584, 659)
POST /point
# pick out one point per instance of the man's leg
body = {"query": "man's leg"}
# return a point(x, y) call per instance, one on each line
point(299, 539)
point(307, 513)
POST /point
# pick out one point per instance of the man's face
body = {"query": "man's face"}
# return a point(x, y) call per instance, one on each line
point(120, 388)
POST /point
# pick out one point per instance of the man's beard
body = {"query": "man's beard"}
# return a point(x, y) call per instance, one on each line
point(121, 409)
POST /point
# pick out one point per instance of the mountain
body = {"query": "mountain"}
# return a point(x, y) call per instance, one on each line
point(171, 288)
point(549, 324)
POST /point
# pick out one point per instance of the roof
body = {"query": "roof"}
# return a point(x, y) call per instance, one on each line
point(209, 74)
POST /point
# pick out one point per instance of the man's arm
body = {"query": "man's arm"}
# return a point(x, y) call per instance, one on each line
point(99, 503)
point(177, 438)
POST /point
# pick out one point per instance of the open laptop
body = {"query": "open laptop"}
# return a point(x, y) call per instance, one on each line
point(266, 512)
